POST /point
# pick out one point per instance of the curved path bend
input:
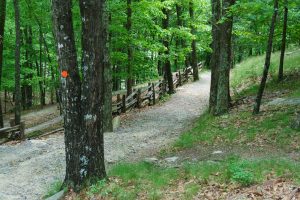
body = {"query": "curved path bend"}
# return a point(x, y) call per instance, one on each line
point(28, 169)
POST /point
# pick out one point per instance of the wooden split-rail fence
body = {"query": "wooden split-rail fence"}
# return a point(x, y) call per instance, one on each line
point(148, 95)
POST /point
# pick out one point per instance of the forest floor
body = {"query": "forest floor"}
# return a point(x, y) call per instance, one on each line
point(238, 156)
point(27, 169)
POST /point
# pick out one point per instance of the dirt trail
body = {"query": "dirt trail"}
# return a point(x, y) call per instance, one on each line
point(29, 168)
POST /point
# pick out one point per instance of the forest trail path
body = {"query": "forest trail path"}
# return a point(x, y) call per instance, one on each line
point(27, 169)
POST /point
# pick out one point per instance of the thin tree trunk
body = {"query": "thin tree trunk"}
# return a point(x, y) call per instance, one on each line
point(178, 41)
point(129, 49)
point(267, 61)
point(2, 25)
point(17, 64)
point(41, 70)
point(194, 45)
point(167, 68)
point(283, 43)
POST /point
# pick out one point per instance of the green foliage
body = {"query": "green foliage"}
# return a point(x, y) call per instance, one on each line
point(237, 173)
point(53, 189)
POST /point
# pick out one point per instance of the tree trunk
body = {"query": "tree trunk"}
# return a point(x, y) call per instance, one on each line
point(194, 45)
point(41, 70)
point(96, 73)
point(27, 88)
point(214, 62)
point(221, 60)
point(17, 64)
point(178, 41)
point(108, 126)
point(129, 50)
point(225, 62)
point(283, 43)
point(83, 102)
point(2, 24)
point(267, 61)
point(167, 68)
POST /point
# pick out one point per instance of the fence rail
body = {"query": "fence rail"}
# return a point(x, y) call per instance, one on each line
point(149, 94)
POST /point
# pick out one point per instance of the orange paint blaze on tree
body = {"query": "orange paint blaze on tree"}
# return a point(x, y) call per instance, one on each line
point(64, 74)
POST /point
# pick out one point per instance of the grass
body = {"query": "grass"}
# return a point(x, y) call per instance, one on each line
point(249, 70)
point(53, 189)
point(273, 127)
point(134, 180)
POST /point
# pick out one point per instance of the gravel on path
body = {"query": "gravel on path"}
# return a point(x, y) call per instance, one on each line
point(28, 169)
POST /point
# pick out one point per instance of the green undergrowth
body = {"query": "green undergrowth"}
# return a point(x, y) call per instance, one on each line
point(272, 127)
point(291, 86)
point(53, 189)
point(249, 70)
point(137, 180)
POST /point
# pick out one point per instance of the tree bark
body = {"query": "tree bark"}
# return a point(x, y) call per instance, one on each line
point(129, 49)
point(214, 62)
point(18, 97)
point(221, 60)
point(267, 61)
point(283, 43)
point(167, 68)
point(223, 94)
point(83, 101)
point(2, 25)
point(96, 72)
point(194, 45)
point(178, 41)
point(27, 97)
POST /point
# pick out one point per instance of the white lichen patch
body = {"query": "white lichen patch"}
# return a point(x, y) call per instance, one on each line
point(60, 46)
point(83, 173)
point(84, 160)
point(89, 117)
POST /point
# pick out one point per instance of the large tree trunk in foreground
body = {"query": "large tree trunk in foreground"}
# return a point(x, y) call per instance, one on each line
point(283, 43)
point(2, 25)
point(167, 68)
point(223, 94)
point(267, 61)
point(194, 45)
point(221, 59)
point(214, 62)
point(96, 72)
point(83, 101)
point(18, 96)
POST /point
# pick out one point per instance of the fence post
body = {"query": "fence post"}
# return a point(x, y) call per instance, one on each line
point(124, 104)
point(139, 100)
point(164, 85)
point(22, 130)
point(119, 98)
point(149, 90)
point(153, 88)
point(180, 80)
point(187, 76)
